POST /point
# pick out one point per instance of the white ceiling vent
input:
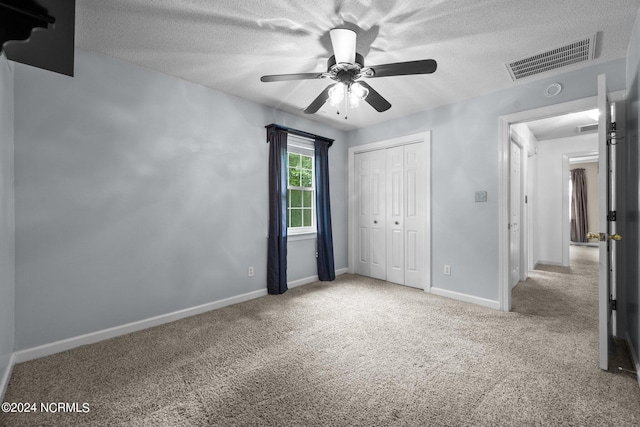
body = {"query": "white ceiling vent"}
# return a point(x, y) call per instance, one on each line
point(587, 128)
point(572, 53)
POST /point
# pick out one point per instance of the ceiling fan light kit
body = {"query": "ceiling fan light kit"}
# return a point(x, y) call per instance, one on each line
point(346, 68)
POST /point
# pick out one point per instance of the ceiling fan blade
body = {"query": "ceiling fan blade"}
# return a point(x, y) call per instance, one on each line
point(287, 77)
point(375, 99)
point(319, 101)
point(425, 66)
point(344, 45)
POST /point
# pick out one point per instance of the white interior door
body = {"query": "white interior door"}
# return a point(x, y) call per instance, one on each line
point(378, 238)
point(604, 284)
point(362, 213)
point(515, 214)
point(395, 196)
point(416, 183)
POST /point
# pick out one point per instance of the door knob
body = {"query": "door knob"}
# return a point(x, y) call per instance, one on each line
point(375, 222)
point(603, 236)
point(397, 223)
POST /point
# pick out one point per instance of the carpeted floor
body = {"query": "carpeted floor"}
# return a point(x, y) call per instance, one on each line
point(354, 352)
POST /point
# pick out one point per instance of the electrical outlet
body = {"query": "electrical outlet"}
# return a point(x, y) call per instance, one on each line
point(447, 270)
point(251, 271)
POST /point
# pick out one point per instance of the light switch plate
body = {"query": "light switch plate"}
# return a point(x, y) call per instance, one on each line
point(481, 196)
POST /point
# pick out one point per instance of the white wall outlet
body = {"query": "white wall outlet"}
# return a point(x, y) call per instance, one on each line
point(250, 272)
point(447, 270)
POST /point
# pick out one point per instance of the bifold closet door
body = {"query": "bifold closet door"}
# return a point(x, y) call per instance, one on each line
point(370, 193)
point(391, 211)
point(395, 214)
point(416, 192)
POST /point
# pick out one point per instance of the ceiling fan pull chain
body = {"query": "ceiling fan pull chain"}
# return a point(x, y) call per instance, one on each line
point(346, 102)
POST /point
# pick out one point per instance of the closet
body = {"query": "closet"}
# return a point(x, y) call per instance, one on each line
point(391, 191)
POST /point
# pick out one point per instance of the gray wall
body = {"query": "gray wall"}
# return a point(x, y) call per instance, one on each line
point(7, 225)
point(139, 194)
point(464, 159)
point(629, 184)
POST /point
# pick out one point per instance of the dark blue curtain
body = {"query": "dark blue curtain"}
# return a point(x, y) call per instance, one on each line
point(326, 268)
point(277, 247)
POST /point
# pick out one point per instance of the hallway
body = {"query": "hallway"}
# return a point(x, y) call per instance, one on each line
point(566, 301)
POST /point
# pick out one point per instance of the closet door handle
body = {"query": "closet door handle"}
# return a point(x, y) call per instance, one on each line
point(397, 223)
point(375, 222)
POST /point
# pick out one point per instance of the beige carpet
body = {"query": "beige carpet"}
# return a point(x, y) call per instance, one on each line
point(354, 352)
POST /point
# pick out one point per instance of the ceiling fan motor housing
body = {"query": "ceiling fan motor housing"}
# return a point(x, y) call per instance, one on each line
point(345, 72)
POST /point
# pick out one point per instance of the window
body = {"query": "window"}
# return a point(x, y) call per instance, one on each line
point(301, 213)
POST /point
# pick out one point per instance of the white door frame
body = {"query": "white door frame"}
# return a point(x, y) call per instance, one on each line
point(422, 137)
point(524, 222)
point(504, 124)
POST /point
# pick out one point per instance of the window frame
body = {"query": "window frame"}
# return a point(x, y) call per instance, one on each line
point(305, 147)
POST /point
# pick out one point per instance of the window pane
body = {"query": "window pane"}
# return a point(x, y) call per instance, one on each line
point(306, 199)
point(296, 199)
point(294, 160)
point(307, 217)
point(296, 217)
point(294, 177)
point(306, 162)
point(305, 178)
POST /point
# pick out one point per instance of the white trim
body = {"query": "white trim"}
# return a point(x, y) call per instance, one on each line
point(4, 379)
point(466, 298)
point(312, 279)
point(93, 337)
point(543, 262)
point(294, 237)
point(634, 357)
point(421, 137)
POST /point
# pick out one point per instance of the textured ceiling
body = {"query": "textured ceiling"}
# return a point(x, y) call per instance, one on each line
point(563, 126)
point(228, 44)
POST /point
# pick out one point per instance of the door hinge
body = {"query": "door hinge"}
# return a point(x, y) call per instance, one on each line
point(612, 216)
point(613, 303)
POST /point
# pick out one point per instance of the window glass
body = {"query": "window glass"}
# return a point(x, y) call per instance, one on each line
point(300, 187)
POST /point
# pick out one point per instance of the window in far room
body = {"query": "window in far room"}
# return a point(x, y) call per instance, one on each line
point(301, 215)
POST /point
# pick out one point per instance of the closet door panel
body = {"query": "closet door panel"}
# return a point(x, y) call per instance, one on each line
point(377, 239)
point(416, 193)
point(395, 217)
point(362, 184)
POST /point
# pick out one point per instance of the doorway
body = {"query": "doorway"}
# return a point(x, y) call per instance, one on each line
point(605, 104)
point(515, 127)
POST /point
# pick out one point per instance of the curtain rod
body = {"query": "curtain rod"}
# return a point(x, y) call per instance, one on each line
point(300, 133)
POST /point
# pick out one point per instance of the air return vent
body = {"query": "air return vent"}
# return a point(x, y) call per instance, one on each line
point(578, 51)
point(587, 128)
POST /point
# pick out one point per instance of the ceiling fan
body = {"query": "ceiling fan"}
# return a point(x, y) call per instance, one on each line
point(346, 68)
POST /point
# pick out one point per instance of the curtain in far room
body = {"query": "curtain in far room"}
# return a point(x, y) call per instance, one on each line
point(578, 206)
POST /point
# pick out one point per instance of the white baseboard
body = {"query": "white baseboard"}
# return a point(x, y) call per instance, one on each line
point(556, 263)
point(311, 279)
point(93, 337)
point(466, 298)
point(5, 376)
point(634, 357)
